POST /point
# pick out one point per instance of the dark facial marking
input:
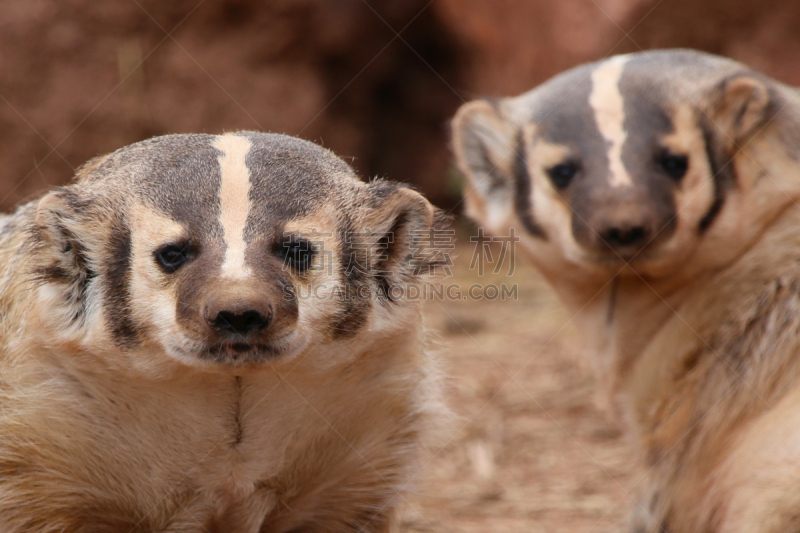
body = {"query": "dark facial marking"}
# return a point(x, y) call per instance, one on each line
point(522, 193)
point(721, 174)
point(182, 179)
point(117, 295)
point(289, 179)
point(566, 118)
point(192, 284)
point(354, 309)
point(647, 123)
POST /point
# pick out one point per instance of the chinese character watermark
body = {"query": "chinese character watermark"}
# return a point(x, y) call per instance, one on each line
point(483, 252)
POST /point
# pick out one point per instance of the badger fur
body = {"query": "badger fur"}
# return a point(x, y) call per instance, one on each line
point(195, 336)
point(658, 193)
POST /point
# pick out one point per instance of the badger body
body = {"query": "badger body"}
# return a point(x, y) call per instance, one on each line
point(658, 193)
point(195, 337)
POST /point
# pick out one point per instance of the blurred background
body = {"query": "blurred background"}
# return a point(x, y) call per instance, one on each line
point(374, 80)
point(377, 81)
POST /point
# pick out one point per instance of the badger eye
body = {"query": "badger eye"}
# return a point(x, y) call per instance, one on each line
point(675, 166)
point(561, 175)
point(172, 256)
point(297, 253)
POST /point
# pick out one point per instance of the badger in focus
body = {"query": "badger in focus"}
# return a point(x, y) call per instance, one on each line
point(196, 336)
point(658, 194)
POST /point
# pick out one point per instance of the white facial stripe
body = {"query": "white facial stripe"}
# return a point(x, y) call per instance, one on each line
point(234, 196)
point(609, 112)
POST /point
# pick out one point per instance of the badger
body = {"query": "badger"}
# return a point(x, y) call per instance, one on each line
point(657, 192)
point(165, 367)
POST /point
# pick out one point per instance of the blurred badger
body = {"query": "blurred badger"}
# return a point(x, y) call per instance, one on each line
point(159, 369)
point(658, 193)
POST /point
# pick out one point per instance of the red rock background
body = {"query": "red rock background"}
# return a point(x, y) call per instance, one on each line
point(375, 80)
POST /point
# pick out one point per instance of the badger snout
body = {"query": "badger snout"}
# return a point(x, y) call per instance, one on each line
point(240, 319)
point(623, 226)
point(622, 230)
point(252, 317)
point(624, 234)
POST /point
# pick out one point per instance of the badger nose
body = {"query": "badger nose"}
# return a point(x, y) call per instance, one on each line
point(624, 234)
point(241, 322)
point(622, 228)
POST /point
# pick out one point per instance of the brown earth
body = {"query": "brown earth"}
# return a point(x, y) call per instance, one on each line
point(528, 449)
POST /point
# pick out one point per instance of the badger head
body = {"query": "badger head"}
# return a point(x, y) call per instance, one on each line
point(647, 162)
point(225, 252)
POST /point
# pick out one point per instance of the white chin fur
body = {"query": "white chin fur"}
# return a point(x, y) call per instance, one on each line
point(194, 354)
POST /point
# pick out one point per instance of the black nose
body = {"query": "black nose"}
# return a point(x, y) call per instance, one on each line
point(242, 322)
point(624, 235)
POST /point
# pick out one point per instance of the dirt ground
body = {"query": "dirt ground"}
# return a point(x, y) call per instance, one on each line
point(529, 449)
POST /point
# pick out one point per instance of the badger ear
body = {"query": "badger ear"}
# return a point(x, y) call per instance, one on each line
point(403, 234)
point(485, 145)
point(63, 241)
point(57, 216)
point(741, 104)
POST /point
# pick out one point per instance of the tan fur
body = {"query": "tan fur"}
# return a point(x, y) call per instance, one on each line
point(697, 337)
point(103, 437)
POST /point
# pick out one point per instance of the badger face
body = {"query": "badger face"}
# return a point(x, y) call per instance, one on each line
point(225, 251)
point(623, 162)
